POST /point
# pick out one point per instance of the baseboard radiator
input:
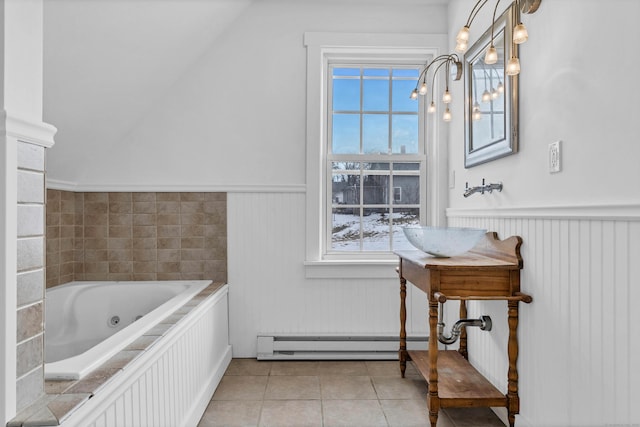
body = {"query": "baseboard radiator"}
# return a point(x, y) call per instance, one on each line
point(321, 347)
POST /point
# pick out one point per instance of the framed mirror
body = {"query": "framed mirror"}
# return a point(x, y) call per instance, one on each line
point(491, 96)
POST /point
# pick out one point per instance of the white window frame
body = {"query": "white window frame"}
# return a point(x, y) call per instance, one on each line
point(322, 48)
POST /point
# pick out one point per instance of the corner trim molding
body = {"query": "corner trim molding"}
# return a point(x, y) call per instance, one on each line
point(38, 133)
point(56, 184)
point(614, 212)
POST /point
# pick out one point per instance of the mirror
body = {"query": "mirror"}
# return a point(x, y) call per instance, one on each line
point(491, 96)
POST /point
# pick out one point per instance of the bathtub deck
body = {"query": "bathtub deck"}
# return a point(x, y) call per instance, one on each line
point(63, 397)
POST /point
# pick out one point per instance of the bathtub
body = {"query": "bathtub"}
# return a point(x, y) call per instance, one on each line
point(168, 382)
point(86, 323)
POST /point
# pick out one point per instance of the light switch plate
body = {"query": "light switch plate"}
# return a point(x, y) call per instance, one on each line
point(554, 157)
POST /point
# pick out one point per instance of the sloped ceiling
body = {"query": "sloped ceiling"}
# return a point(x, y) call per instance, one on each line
point(107, 61)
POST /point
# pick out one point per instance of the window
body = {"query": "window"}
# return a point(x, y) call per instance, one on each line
point(366, 170)
point(374, 151)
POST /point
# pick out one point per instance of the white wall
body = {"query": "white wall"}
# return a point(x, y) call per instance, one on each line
point(580, 227)
point(578, 84)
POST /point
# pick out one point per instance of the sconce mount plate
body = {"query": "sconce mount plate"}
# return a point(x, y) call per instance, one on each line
point(529, 6)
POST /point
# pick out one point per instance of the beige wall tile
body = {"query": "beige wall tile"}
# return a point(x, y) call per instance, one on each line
point(121, 267)
point(141, 232)
point(191, 197)
point(120, 197)
point(194, 230)
point(168, 276)
point(221, 197)
point(145, 219)
point(167, 207)
point(30, 355)
point(96, 197)
point(143, 197)
point(144, 276)
point(192, 266)
point(144, 266)
point(92, 268)
point(120, 231)
point(52, 219)
point(29, 322)
point(169, 231)
point(95, 231)
point(168, 267)
point(192, 254)
point(168, 255)
point(144, 207)
point(95, 255)
point(144, 254)
point(30, 287)
point(95, 243)
point(124, 219)
point(168, 219)
point(144, 243)
point(169, 243)
point(120, 255)
point(192, 243)
point(192, 218)
point(29, 388)
point(167, 197)
point(96, 218)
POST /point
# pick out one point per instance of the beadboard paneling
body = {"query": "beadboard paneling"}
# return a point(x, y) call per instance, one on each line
point(269, 292)
point(578, 339)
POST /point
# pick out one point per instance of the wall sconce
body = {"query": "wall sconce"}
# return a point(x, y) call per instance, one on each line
point(520, 34)
point(445, 62)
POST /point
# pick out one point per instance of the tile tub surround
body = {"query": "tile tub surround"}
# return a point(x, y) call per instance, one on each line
point(135, 236)
point(30, 274)
point(63, 397)
point(329, 393)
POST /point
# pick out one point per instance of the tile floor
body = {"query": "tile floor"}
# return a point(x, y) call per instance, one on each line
point(328, 393)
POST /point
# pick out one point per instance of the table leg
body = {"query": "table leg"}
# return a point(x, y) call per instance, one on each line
point(512, 374)
point(402, 353)
point(433, 399)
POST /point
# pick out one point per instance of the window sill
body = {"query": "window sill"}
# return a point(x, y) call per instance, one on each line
point(352, 269)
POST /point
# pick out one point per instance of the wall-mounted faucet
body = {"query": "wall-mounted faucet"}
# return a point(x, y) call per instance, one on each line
point(481, 188)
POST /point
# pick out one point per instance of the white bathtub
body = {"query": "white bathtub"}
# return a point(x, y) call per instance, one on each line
point(87, 323)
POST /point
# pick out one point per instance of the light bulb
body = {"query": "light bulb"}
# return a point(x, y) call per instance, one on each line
point(423, 89)
point(414, 94)
point(463, 35)
point(520, 34)
point(486, 96)
point(446, 96)
point(513, 67)
point(476, 114)
point(447, 115)
point(432, 107)
point(500, 87)
point(461, 47)
point(491, 57)
point(494, 94)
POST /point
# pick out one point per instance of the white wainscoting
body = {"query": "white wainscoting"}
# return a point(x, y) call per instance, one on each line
point(580, 338)
point(269, 293)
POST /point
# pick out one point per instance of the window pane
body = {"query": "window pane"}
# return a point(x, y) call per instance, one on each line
point(406, 166)
point(346, 72)
point(406, 189)
point(345, 189)
point(345, 232)
point(404, 134)
point(346, 134)
point(401, 91)
point(375, 230)
point(376, 72)
point(376, 189)
point(401, 218)
point(346, 94)
point(376, 95)
point(406, 72)
point(375, 134)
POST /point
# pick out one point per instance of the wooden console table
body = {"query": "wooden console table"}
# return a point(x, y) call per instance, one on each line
point(490, 271)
